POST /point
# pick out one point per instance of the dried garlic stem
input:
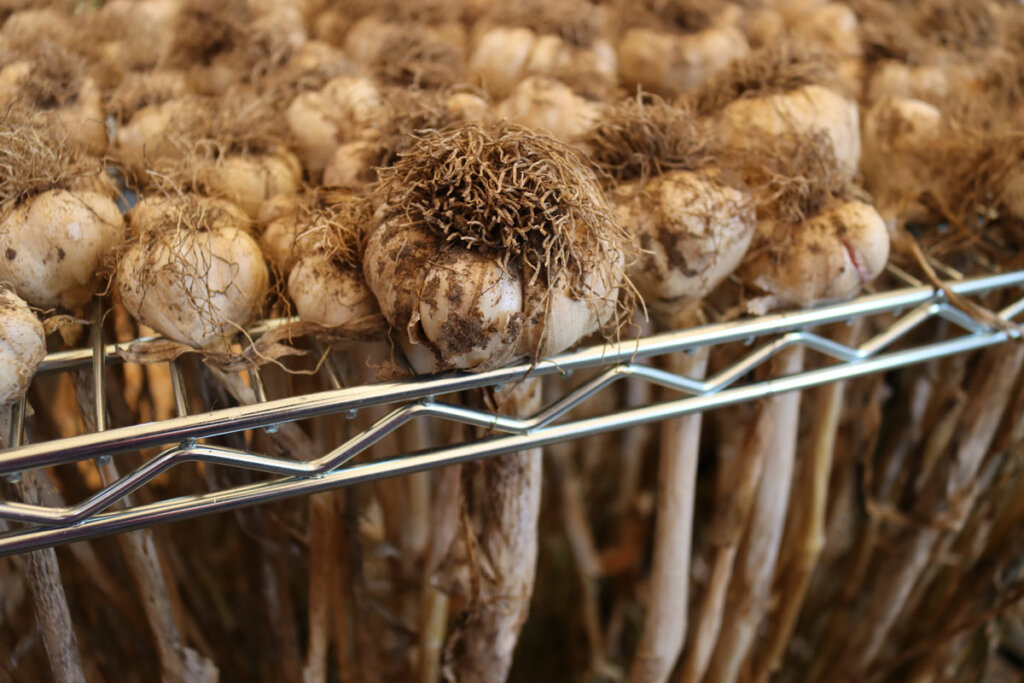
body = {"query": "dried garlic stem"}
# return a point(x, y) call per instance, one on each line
point(509, 543)
point(143, 559)
point(280, 614)
point(49, 602)
point(664, 630)
point(434, 606)
point(810, 506)
point(634, 442)
point(291, 439)
point(738, 489)
point(416, 529)
point(322, 518)
point(751, 585)
point(342, 622)
point(581, 543)
point(950, 493)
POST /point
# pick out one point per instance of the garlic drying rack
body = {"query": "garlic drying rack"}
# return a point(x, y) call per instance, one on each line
point(908, 305)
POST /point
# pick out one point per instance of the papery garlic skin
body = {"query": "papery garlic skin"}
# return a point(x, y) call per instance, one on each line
point(54, 245)
point(671, 64)
point(148, 139)
point(692, 232)
point(801, 111)
point(470, 310)
point(500, 58)
point(250, 180)
point(22, 346)
point(344, 110)
point(194, 286)
point(329, 293)
point(828, 257)
point(464, 306)
point(549, 106)
point(900, 134)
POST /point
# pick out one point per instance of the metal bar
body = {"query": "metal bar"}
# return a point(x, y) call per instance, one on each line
point(193, 506)
point(99, 374)
point(353, 398)
point(76, 359)
point(780, 322)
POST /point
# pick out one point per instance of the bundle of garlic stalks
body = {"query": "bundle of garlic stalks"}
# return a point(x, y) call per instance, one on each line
point(437, 186)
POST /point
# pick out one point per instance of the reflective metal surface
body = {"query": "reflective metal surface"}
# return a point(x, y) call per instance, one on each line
point(418, 398)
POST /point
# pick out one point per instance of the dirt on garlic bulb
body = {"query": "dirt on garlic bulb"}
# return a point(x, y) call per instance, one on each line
point(475, 289)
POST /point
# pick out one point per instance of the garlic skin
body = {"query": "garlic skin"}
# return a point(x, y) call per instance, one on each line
point(470, 310)
point(196, 287)
point(84, 120)
point(53, 245)
point(692, 231)
point(344, 110)
point(353, 165)
point(500, 58)
point(460, 304)
point(148, 139)
point(763, 26)
point(1013, 194)
point(81, 120)
point(277, 207)
point(464, 106)
point(248, 181)
point(670, 64)
point(554, 319)
point(549, 106)
point(281, 20)
point(13, 76)
point(833, 27)
point(899, 136)
point(286, 239)
point(331, 294)
point(22, 346)
point(156, 210)
point(36, 24)
point(828, 257)
point(800, 111)
point(929, 82)
point(553, 56)
point(147, 34)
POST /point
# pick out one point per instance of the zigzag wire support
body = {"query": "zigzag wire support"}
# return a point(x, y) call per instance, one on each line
point(44, 526)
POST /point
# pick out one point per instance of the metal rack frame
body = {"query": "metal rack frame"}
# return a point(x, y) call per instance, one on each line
point(44, 526)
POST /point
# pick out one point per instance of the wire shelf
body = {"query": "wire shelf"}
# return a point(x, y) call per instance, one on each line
point(110, 510)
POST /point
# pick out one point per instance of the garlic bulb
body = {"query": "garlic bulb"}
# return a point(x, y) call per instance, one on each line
point(500, 58)
point(196, 276)
point(671, 64)
point(248, 181)
point(830, 256)
point(330, 293)
point(344, 110)
point(54, 245)
point(522, 260)
point(899, 136)
point(546, 105)
point(157, 134)
point(692, 231)
point(22, 346)
point(797, 112)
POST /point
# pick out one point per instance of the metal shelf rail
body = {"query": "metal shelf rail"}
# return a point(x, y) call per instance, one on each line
point(38, 526)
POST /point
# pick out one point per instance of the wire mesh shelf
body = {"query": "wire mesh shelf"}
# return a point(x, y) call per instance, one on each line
point(111, 509)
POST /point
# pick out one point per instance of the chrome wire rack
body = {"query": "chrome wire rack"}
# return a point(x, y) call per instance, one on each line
point(110, 509)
